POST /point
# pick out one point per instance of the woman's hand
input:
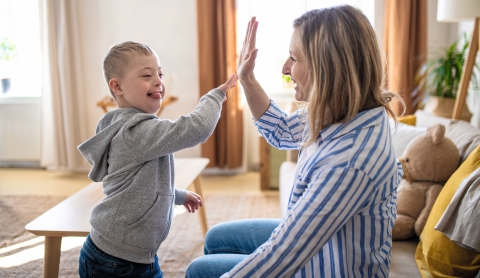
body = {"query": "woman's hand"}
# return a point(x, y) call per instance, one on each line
point(248, 54)
point(257, 99)
point(192, 201)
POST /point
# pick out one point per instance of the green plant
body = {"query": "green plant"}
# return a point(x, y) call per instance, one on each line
point(440, 75)
point(7, 49)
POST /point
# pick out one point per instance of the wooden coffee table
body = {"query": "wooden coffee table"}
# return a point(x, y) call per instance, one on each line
point(72, 216)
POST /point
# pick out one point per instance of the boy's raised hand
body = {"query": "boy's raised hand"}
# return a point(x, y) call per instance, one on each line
point(231, 82)
point(192, 201)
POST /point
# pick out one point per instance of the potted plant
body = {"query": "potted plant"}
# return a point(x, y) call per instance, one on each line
point(7, 53)
point(439, 77)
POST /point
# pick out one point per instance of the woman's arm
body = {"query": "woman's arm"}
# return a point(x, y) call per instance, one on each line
point(282, 131)
point(257, 99)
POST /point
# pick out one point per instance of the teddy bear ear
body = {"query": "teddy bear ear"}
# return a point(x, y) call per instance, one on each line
point(437, 132)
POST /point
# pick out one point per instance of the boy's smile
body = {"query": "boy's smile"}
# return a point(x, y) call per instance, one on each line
point(141, 85)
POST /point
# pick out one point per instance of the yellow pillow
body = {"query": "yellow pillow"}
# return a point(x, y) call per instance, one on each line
point(408, 119)
point(437, 255)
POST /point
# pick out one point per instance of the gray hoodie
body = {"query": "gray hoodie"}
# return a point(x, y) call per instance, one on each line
point(132, 154)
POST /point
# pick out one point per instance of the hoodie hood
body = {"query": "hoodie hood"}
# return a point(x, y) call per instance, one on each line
point(95, 150)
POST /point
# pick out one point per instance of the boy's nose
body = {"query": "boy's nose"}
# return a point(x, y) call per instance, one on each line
point(158, 81)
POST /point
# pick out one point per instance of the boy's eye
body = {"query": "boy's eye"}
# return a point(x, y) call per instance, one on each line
point(147, 75)
point(161, 75)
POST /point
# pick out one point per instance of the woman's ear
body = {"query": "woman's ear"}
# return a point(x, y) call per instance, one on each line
point(115, 86)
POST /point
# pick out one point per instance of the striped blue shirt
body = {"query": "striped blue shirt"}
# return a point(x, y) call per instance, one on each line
point(343, 203)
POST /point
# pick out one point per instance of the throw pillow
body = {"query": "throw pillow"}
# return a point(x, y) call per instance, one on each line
point(402, 135)
point(436, 254)
point(465, 136)
point(425, 119)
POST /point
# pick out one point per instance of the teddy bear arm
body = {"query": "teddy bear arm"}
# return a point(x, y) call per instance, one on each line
point(431, 195)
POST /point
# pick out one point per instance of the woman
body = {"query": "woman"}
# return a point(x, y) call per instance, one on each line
point(343, 203)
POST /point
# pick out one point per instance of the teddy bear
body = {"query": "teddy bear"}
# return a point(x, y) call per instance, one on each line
point(428, 161)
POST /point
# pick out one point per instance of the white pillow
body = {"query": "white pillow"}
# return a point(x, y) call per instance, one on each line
point(425, 119)
point(402, 135)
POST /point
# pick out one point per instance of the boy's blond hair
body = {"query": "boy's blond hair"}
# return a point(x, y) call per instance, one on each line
point(117, 59)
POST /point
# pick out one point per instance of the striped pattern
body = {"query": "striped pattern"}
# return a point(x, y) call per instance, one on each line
point(343, 203)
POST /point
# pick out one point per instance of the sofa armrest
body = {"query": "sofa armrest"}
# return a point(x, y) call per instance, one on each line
point(287, 172)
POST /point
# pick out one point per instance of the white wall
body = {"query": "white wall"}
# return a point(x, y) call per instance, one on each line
point(169, 27)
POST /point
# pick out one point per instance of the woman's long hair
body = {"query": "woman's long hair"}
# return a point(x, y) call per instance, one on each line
point(343, 53)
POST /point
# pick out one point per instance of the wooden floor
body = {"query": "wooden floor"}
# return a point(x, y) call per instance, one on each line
point(38, 181)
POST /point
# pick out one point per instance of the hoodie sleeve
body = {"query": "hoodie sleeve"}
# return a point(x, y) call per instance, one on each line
point(150, 137)
point(180, 196)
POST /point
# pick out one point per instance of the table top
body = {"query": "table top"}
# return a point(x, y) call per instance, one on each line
point(72, 216)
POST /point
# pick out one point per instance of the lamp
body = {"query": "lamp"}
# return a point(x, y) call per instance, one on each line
point(462, 10)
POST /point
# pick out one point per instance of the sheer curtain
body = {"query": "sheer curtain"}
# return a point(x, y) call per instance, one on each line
point(217, 61)
point(63, 101)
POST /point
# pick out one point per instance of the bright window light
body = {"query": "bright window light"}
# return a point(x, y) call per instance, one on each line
point(20, 27)
point(275, 19)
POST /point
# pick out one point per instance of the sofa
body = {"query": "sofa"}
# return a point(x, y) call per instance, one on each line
point(405, 262)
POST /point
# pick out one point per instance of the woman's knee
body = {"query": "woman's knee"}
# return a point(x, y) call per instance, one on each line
point(239, 236)
point(212, 266)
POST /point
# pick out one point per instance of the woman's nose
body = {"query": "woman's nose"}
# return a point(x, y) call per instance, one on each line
point(286, 67)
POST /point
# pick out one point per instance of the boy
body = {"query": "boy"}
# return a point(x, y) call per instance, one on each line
point(132, 154)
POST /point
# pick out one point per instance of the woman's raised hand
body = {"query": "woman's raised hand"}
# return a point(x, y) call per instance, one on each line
point(246, 61)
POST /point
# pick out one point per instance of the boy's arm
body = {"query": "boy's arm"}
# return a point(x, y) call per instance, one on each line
point(150, 137)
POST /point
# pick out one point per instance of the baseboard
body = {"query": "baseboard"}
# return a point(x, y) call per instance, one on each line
point(20, 164)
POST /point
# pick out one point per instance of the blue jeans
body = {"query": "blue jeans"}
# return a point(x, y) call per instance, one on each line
point(96, 263)
point(227, 244)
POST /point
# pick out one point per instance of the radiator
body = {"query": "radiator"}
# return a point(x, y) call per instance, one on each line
point(20, 127)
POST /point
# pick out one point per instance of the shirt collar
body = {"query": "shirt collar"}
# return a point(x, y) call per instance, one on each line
point(361, 120)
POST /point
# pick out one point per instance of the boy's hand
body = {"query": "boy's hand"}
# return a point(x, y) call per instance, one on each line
point(231, 82)
point(192, 201)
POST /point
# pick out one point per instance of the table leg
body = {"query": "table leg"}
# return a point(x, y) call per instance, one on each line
point(51, 262)
point(201, 211)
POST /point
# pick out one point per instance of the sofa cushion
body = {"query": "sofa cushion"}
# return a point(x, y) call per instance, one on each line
point(436, 254)
point(465, 136)
point(402, 134)
point(425, 119)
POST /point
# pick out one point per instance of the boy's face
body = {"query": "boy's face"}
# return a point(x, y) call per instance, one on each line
point(141, 85)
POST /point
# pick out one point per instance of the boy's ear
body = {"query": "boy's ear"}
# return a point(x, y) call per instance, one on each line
point(115, 86)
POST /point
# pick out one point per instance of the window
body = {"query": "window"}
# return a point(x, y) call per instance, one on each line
point(275, 28)
point(20, 69)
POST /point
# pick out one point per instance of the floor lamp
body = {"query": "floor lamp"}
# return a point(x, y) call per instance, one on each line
point(455, 11)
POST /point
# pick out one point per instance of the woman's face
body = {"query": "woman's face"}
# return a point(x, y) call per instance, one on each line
point(296, 66)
